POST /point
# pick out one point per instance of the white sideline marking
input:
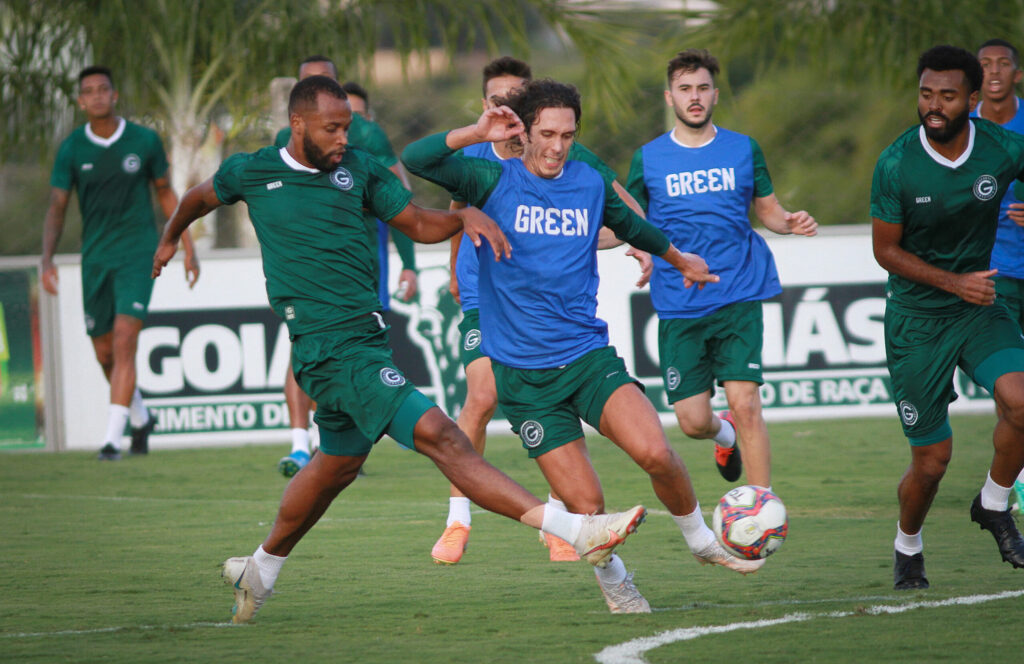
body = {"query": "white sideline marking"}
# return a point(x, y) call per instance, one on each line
point(632, 652)
point(107, 630)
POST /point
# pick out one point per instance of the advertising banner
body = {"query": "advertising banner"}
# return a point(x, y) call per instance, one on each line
point(21, 393)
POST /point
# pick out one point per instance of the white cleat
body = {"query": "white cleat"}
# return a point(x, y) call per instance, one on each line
point(601, 533)
point(624, 598)
point(244, 577)
point(714, 554)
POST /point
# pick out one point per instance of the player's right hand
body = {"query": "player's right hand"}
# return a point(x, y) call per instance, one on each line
point(49, 277)
point(976, 287)
point(164, 253)
point(498, 124)
point(695, 271)
point(478, 225)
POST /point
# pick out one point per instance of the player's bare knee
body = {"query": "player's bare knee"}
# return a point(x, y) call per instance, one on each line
point(657, 459)
point(696, 427)
point(446, 441)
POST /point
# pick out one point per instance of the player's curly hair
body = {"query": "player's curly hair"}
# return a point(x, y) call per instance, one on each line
point(948, 58)
point(535, 96)
point(691, 60)
point(305, 92)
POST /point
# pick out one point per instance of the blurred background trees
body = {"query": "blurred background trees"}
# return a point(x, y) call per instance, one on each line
point(824, 85)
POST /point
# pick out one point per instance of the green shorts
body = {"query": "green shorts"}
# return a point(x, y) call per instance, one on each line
point(110, 289)
point(360, 394)
point(923, 353)
point(469, 330)
point(544, 406)
point(724, 345)
point(1010, 292)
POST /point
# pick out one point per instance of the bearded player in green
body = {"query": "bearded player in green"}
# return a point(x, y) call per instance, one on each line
point(306, 203)
point(111, 163)
point(935, 206)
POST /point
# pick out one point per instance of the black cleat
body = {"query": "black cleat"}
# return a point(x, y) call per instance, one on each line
point(908, 572)
point(109, 453)
point(1002, 527)
point(727, 459)
point(140, 436)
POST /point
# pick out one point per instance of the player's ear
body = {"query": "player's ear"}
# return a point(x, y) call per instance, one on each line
point(972, 101)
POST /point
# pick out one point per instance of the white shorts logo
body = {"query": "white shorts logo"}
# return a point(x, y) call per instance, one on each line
point(985, 187)
point(532, 433)
point(131, 163)
point(90, 323)
point(342, 179)
point(472, 340)
point(672, 378)
point(391, 378)
point(908, 413)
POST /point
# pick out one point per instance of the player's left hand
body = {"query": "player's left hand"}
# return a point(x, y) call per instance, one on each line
point(164, 253)
point(801, 223)
point(191, 268)
point(478, 225)
point(1016, 213)
point(646, 265)
point(408, 285)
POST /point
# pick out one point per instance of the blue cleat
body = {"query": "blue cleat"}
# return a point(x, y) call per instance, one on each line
point(293, 463)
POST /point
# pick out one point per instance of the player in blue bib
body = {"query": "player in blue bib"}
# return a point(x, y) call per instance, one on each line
point(1000, 62)
point(553, 365)
point(697, 183)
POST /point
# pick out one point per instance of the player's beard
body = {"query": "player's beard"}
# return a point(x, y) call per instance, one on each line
point(953, 126)
point(695, 125)
point(316, 156)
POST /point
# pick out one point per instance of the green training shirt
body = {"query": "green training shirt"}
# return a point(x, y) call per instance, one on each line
point(319, 250)
point(362, 133)
point(949, 210)
point(112, 176)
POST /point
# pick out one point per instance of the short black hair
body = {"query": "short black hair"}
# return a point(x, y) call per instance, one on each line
point(320, 58)
point(948, 58)
point(506, 65)
point(691, 60)
point(353, 88)
point(1005, 44)
point(306, 91)
point(535, 96)
point(93, 70)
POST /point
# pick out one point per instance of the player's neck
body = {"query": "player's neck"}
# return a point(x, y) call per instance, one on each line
point(694, 137)
point(104, 127)
point(954, 147)
point(1001, 111)
point(502, 149)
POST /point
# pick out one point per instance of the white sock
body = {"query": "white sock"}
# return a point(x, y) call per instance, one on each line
point(562, 524)
point(995, 497)
point(906, 544)
point(726, 436)
point(458, 510)
point(613, 573)
point(696, 532)
point(556, 503)
point(139, 414)
point(269, 566)
point(300, 440)
point(116, 419)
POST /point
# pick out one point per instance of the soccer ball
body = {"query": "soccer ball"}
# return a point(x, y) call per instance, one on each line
point(750, 522)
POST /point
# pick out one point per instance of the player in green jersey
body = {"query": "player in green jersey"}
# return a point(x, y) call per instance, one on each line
point(306, 203)
point(111, 163)
point(934, 205)
point(370, 137)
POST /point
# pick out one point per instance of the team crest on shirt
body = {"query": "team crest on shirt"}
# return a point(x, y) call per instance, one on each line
point(672, 378)
point(532, 433)
point(472, 340)
point(908, 413)
point(391, 378)
point(985, 187)
point(342, 179)
point(131, 163)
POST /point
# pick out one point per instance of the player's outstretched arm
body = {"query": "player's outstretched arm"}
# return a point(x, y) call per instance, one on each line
point(168, 203)
point(778, 220)
point(429, 226)
point(53, 227)
point(198, 201)
point(494, 125)
point(972, 287)
point(693, 268)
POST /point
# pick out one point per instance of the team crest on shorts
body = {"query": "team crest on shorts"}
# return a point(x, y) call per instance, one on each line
point(672, 378)
point(472, 340)
point(342, 179)
point(131, 163)
point(985, 187)
point(391, 378)
point(908, 413)
point(90, 323)
point(532, 433)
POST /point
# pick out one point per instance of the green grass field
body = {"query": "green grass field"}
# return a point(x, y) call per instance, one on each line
point(119, 562)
